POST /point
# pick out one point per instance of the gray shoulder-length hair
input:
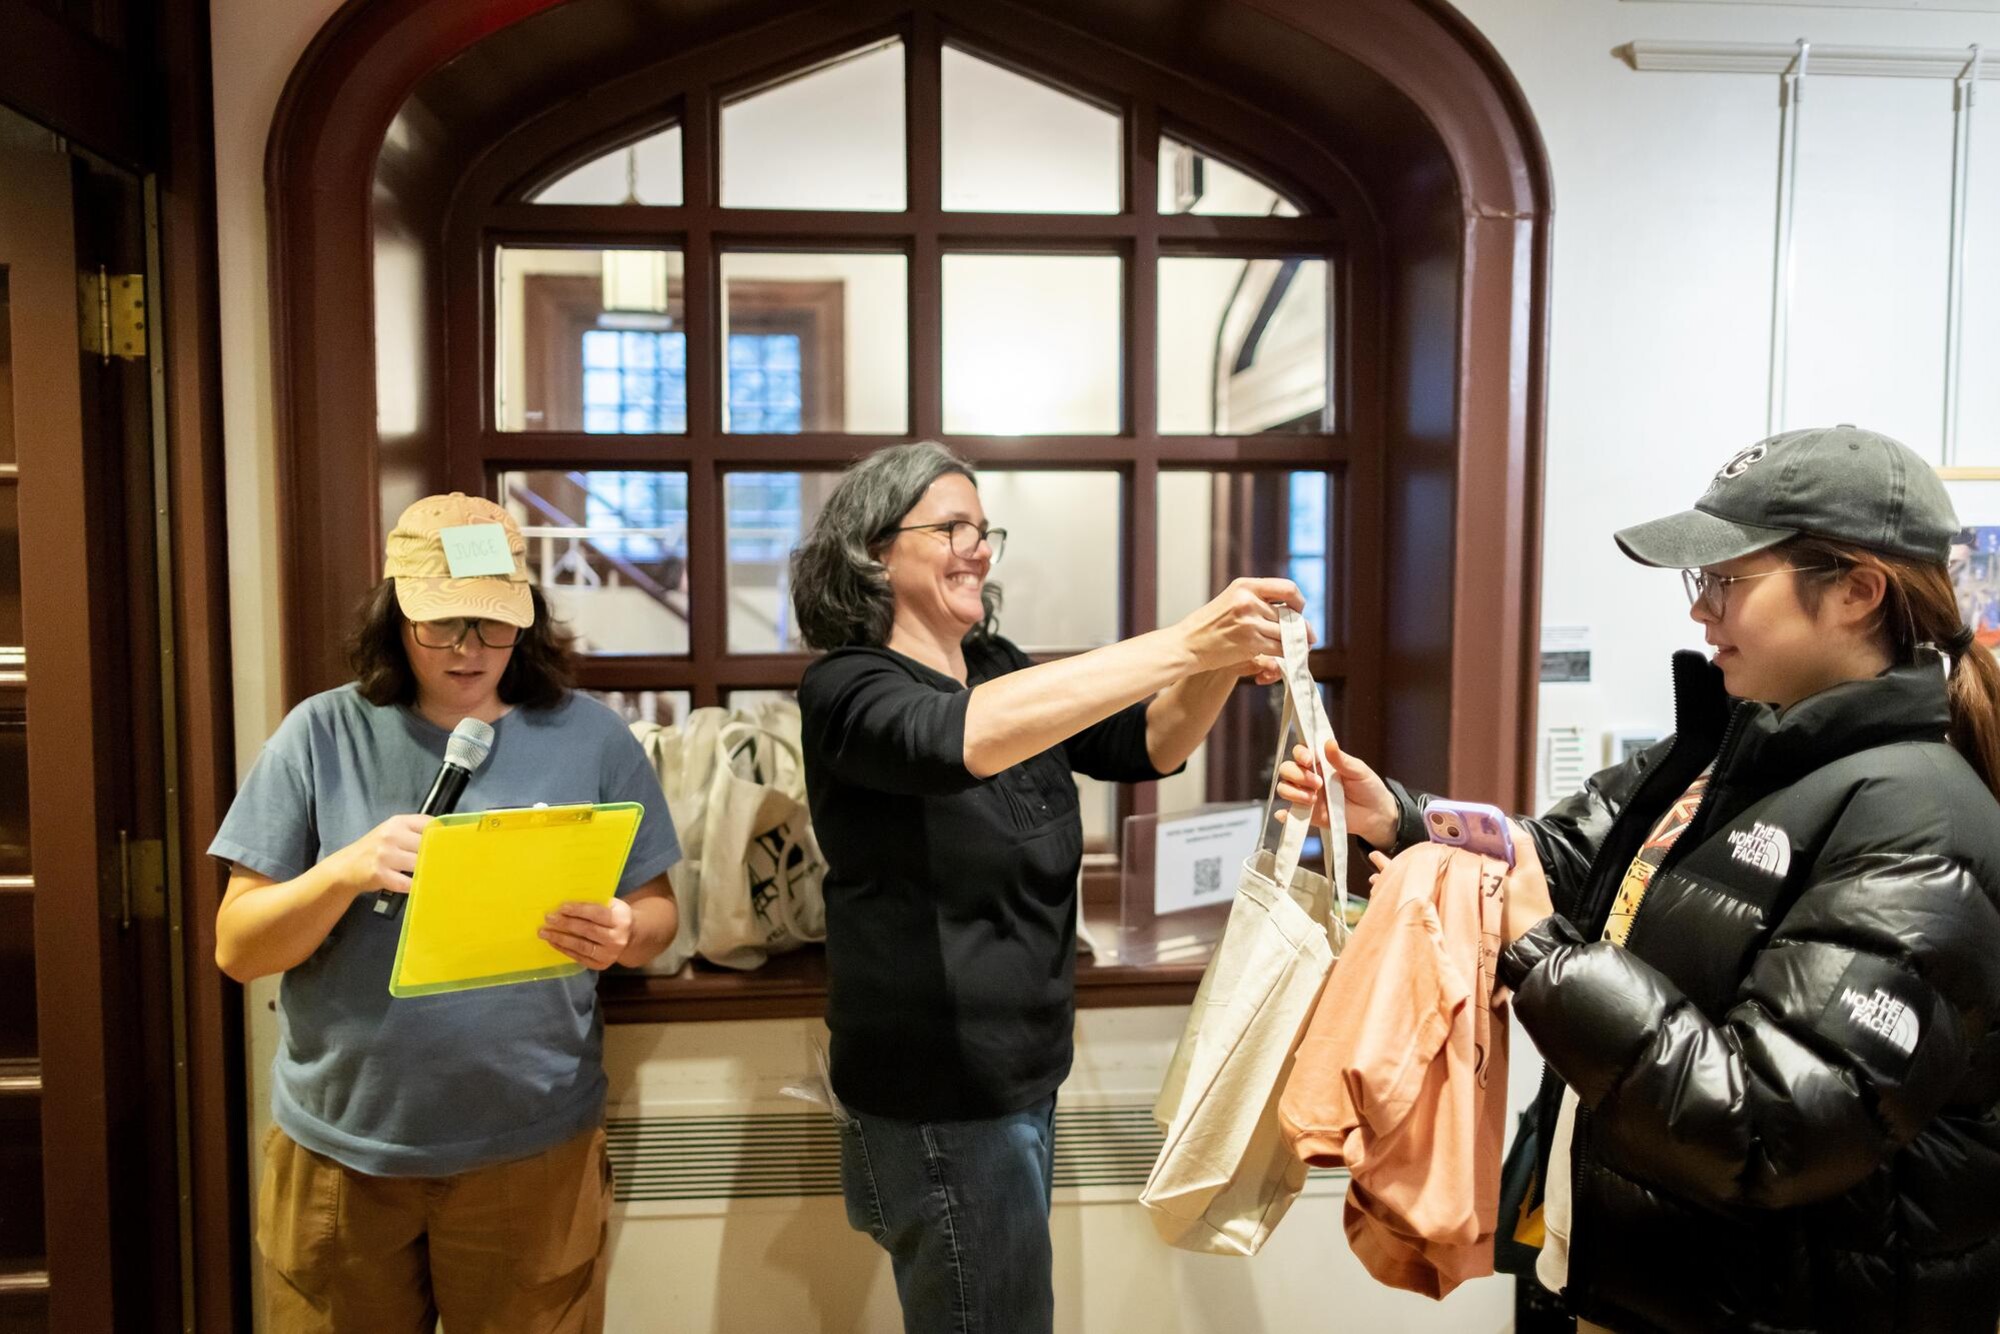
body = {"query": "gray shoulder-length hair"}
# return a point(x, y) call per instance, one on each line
point(840, 591)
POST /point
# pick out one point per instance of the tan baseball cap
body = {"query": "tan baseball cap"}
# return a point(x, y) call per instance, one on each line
point(460, 555)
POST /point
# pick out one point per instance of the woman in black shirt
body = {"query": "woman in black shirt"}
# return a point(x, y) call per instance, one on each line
point(938, 763)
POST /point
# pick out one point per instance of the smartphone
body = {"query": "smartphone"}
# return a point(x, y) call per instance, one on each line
point(1470, 825)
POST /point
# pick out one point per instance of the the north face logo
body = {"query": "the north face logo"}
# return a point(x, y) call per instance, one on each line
point(1764, 846)
point(1883, 1015)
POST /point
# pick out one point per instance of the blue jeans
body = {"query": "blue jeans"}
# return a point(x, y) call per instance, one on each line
point(962, 1207)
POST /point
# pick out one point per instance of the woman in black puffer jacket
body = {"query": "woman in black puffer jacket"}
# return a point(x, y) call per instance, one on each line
point(1770, 996)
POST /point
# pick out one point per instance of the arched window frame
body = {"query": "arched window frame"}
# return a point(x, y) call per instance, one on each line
point(493, 209)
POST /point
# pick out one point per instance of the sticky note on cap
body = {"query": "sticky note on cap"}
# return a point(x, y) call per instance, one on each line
point(475, 549)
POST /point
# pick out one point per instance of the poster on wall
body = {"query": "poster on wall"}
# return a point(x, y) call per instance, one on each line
point(1975, 573)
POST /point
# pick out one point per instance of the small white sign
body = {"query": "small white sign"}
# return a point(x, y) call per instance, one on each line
point(1196, 858)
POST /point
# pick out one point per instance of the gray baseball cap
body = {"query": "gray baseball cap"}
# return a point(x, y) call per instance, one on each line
point(1839, 482)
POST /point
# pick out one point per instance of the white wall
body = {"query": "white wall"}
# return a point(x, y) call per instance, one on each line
point(254, 47)
point(1665, 187)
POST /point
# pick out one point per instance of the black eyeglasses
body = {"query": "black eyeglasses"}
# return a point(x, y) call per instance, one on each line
point(965, 536)
point(1710, 592)
point(450, 633)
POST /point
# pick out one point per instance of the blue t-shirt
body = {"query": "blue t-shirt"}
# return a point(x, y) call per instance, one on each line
point(432, 1085)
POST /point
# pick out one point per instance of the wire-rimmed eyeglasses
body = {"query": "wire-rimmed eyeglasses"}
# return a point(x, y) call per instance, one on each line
point(1710, 591)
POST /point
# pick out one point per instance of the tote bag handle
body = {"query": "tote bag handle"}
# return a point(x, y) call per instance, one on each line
point(1303, 706)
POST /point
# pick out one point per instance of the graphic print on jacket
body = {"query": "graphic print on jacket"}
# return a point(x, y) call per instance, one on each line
point(1652, 852)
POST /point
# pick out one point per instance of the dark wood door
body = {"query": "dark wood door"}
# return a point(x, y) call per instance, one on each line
point(89, 1237)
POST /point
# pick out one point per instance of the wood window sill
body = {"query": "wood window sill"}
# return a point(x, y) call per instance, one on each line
point(793, 986)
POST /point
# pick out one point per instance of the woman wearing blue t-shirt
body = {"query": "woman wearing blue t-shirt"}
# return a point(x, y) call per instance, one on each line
point(442, 1154)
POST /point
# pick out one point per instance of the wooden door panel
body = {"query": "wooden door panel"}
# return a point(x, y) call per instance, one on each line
point(68, 866)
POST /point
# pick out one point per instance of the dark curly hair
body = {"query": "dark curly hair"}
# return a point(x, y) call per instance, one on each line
point(538, 676)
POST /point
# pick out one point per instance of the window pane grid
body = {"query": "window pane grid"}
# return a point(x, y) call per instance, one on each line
point(756, 383)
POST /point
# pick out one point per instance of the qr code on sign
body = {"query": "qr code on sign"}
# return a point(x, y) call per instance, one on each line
point(1207, 875)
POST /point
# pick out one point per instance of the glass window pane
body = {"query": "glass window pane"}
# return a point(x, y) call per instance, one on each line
point(1219, 526)
point(609, 551)
point(647, 172)
point(1015, 145)
point(1032, 344)
point(826, 138)
point(6, 373)
point(1243, 346)
point(13, 787)
point(10, 563)
point(816, 343)
point(1060, 574)
point(665, 707)
point(23, 1240)
point(1193, 182)
point(750, 701)
point(29, 1312)
point(18, 1038)
point(767, 513)
point(17, 976)
point(591, 340)
point(1234, 763)
point(1099, 803)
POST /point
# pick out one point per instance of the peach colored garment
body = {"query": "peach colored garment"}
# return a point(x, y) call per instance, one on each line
point(1402, 1075)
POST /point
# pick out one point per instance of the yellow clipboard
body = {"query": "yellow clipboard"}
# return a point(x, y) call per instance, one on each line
point(485, 882)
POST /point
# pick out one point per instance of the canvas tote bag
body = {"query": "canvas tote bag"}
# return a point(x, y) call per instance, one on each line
point(763, 877)
point(1225, 1175)
point(684, 759)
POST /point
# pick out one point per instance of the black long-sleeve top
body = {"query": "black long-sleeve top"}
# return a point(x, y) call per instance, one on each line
point(950, 899)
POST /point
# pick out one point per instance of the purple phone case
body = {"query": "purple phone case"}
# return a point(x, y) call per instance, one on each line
point(1471, 825)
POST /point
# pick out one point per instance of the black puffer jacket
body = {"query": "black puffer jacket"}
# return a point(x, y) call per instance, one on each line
point(1789, 1078)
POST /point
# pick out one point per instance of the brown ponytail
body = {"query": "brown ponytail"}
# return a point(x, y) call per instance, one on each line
point(1919, 608)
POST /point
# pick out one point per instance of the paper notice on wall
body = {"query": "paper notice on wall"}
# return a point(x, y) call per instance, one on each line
point(1196, 857)
point(1565, 654)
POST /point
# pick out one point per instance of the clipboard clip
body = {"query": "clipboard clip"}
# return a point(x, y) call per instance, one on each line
point(539, 817)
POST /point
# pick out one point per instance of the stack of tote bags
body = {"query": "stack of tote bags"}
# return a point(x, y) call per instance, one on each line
point(1394, 1069)
point(750, 882)
point(1225, 1175)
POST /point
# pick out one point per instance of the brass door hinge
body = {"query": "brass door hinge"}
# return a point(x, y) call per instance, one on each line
point(142, 879)
point(112, 314)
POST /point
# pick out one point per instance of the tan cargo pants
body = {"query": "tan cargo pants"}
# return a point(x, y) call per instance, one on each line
point(516, 1247)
